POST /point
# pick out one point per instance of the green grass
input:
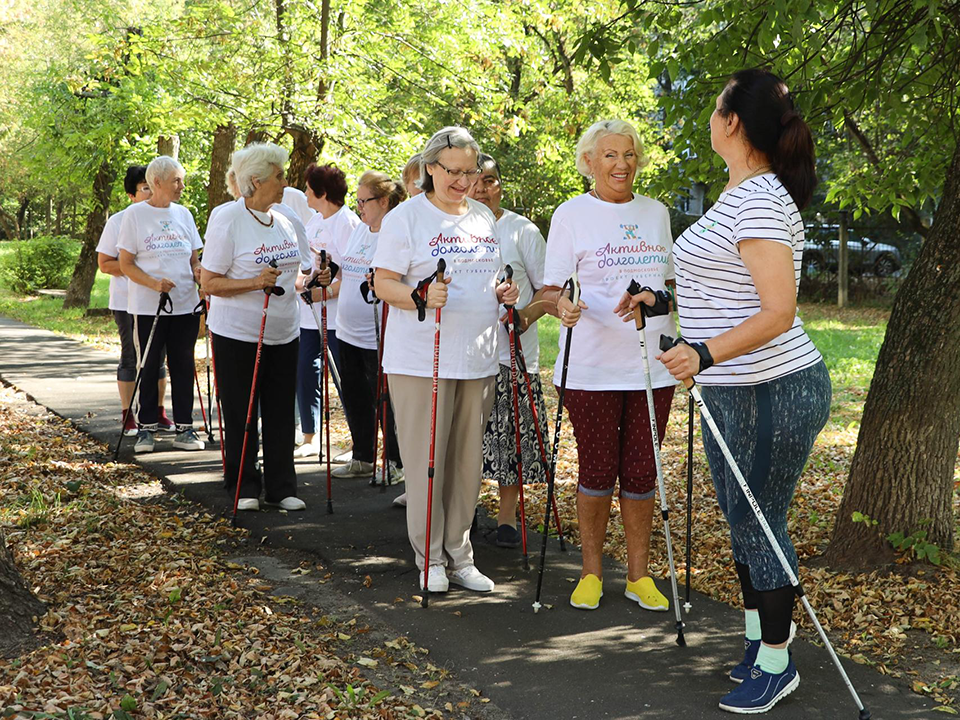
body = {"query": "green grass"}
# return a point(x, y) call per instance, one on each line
point(47, 312)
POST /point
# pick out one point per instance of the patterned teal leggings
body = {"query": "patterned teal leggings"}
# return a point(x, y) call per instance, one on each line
point(770, 429)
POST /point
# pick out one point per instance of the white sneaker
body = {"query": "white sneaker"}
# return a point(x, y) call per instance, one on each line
point(307, 450)
point(343, 457)
point(471, 578)
point(354, 469)
point(289, 503)
point(400, 500)
point(438, 579)
point(396, 473)
point(248, 504)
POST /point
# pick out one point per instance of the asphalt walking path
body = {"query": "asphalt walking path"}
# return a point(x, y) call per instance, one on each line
point(617, 662)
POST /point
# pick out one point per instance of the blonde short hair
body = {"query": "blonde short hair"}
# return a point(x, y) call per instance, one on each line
point(588, 142)
point(382, 186)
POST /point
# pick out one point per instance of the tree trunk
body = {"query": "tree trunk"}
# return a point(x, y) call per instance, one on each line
point(58, 228)
point(169, 145)
point(903, 468)
point(84, 272)
point(18, 608)
point(224, 140)
point(306, 149)
point(255, 135)
point(22, 213)
point(9, 225)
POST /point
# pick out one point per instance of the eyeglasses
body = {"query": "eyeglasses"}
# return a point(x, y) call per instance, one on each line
point(471, 174)
point(361, 201)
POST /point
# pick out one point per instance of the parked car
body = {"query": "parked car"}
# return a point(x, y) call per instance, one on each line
point(821, 251)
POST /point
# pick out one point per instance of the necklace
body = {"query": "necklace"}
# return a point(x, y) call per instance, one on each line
point(602, 199)
point(254, 216)
point(760, 171)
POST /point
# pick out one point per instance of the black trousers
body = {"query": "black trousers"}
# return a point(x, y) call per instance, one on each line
point(358, 376)
point(276, 388)
point(178, 334)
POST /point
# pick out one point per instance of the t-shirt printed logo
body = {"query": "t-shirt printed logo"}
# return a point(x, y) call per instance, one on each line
point(286, 254)
point(481, 247)
point(634, 251)
point(166, 225)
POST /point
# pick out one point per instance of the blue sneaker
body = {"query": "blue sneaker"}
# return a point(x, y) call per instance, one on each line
point(760, 691)
point(750, 649)
point(742, 671)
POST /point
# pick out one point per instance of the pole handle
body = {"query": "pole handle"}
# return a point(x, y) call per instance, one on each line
point(667, 343)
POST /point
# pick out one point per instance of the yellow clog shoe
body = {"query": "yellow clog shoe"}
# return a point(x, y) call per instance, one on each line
point(587, 594)
point(645, 593)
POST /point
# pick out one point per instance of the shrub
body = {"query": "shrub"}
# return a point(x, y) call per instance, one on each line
point(41, 263)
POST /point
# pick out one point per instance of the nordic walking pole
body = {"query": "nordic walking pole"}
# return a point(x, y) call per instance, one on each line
point(203, 414)
point(248, 425)
point(515, 388)
point(521, 363)
point(383, 399)
point(165, 305)
point(666, 343)
point(216, 389)
point(201, 310)
point(574, 284)
point(640, 314)
point(441, 267)
point(326, 374)
point(686, 605)
point(368, 291)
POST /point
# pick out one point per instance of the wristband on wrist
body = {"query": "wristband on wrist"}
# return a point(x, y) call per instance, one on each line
point(706, 359)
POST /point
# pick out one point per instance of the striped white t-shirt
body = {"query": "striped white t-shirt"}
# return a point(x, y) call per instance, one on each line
point(715, 291)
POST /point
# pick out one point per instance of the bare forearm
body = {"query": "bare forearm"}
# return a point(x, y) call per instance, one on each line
point(227, 287)
point(549, 298)
point(754, 332)
point(109, 265)
point(394, 293)
point(536, 308)
point(128, 267)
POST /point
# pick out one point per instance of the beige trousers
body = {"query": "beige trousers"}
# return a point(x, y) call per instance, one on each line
point(462, 410)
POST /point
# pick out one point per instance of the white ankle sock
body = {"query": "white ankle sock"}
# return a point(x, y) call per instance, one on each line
point(752, 624)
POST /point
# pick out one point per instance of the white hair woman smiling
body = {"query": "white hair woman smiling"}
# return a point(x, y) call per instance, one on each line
point(443, 223)
point(610, 236)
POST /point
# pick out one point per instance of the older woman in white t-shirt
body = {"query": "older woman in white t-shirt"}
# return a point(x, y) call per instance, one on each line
point(443, 223)
point(610, 236)
point(242, 241)
point(158, 243)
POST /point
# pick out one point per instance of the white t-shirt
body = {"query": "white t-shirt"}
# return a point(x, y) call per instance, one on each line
point(355, 318)
point(715, 291)
point(220, 208)
point(608, 245)
point(296, 200)
point(108, 246)
point(238, 247)
point(161, 241)
point(413, 237)
point(523, 248)
point(330, 234)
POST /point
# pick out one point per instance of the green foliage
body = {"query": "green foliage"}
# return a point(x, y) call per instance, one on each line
point(40, 263)
point(916, 543)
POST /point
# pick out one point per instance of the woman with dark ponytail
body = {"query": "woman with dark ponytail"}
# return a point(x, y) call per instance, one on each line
point(738, 270)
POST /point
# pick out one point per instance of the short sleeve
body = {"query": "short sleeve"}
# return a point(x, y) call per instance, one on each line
point(195, 241)
point(303, 245)
point(762, 216)
point(218, 252)
point(560, 261)
point(127, 237)
point(394, 252)
point(667, 234)
point(533, 251)
point(108, 238)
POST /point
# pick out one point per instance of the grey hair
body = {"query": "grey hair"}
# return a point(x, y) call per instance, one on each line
point(256, 161)
point(160, 169)
point(588, 143)
point(231, 180)
point(452, 136)
point(412, 166)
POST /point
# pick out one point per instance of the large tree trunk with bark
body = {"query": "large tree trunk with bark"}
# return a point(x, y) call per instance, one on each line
point(19, 609)
point(224, 141)
point(903, 468)
point(306, 149)
point(85, 271)
point(9, 225)
point(169, 145)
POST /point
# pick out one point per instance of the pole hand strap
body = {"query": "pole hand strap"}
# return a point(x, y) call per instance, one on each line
point(166, 304)
point(706, 359)
point(368, 290)
point(419, 294)
point(661, 304)
point(201, 308)
point(276, 289)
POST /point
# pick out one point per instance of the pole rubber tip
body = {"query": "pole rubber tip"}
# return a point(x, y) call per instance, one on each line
point(687, 607)
point(329, 507)
point(680, 640)
point(864, 714)
point(536, 607)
